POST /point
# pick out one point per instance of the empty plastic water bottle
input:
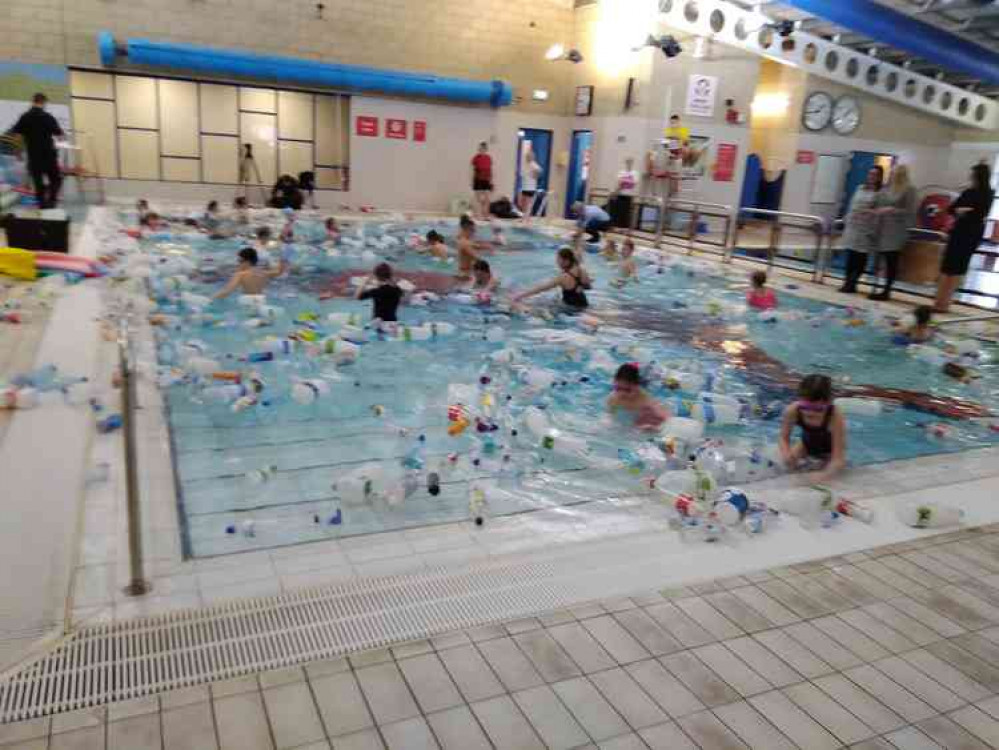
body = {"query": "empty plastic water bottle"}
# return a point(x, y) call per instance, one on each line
point(109, 424)
point(262, 475)
point(477, 504)
point(930, 515)
point(434, 483)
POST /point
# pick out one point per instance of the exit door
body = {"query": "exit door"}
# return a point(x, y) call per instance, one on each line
point(541, 144)
point(579, 168)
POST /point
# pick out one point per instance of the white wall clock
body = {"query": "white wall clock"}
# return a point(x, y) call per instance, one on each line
point(846, 115)
point(818, 111)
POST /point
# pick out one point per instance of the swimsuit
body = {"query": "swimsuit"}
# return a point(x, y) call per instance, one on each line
point(818, 441)
point(575, 297)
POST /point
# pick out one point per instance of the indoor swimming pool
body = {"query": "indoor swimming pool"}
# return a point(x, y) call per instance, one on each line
point(291, 420)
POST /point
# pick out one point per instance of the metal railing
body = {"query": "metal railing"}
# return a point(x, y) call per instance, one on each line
point(137, 585)
point(699, 211)
point(778, 223)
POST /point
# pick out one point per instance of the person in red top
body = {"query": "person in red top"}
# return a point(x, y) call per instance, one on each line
point(482, 180)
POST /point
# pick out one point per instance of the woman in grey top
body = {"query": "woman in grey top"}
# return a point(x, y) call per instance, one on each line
point(861, 234)
point(897, 209)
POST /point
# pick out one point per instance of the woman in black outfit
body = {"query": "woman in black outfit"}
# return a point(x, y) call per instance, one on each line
point(971, 209)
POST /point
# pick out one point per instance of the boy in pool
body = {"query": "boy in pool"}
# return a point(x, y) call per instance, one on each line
point(142, 209)
point(435, 245)
point(627, 270)
point(629, 396)
point(250, 278)
point(383, 292)
point(760, 296)
point(921, 331)
point(466, 248)
point(823, 429)
point(484, 283)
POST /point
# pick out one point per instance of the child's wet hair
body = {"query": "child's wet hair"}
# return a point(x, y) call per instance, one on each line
point(923, 315)
point(566, 254)
point(249, 255)
point(383, 272)
point(816, 388)
point(482, 266)
point(434, 236)
point(629, 373)
point(263, 233)
point(759, 279)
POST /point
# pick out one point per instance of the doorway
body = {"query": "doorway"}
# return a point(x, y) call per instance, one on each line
point(861, 162)
point(579, 168)
point(541, 144)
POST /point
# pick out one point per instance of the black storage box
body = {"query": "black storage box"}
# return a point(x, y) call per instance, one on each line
point(38, 234)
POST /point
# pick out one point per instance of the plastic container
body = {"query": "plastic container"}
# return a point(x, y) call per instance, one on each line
point(731, 506)
point(930, 515)
point(109, 424)
point(306, 392)
point(713, 408)
point(18, 398)
point(853, 509)
point(861, 407)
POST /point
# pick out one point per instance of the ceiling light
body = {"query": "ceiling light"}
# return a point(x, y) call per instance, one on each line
point(540, 95)
point(555, 52)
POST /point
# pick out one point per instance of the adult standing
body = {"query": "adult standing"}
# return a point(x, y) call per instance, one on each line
point(624, 194)
point(970, 209)
point(861, 234)
point(591, 219)
point(530, 170)
point(482, 180)
point(39, 129)
point(897, 207)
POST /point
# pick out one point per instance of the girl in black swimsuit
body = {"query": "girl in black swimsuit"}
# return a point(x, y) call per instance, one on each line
point(823, 429)
point(573, 281)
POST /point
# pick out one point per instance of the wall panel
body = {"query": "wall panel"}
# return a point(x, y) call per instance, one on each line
point(94, 122)
point(136, 100)
point(139, 154)
point(179, 128)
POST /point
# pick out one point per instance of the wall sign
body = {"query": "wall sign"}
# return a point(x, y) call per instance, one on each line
point(701, 93)
point(396, 128)
point(367, 126)
point(419, 131)
point(724, 170)
point(805, 157)
point(584, 100)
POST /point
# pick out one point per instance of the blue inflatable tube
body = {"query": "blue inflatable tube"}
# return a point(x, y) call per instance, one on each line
point(887, 26)
point(189, 57)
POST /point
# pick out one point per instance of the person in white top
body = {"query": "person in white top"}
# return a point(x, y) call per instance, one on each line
point(624, 193)
point(530, 170)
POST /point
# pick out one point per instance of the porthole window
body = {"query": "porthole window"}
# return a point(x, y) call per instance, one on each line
point(891, 82)
point(946, 100)
point(852, 67)
point(717, 21)
point(910, 88)
point(929, 94)
point(963, 106)
point(810, 53)
point(832, 60)
point(765, 38)
point(665, 6)
point(740, 30)
point(691, 12)
point(980, 113)
point(872, 76)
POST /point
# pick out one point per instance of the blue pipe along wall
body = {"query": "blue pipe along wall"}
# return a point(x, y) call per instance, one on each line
point(904, 32)
point(194, 58)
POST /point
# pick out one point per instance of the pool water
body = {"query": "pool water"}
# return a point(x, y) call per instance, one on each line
point(381, 432)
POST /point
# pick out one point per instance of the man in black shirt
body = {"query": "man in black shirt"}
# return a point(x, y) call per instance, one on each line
point(38, 128)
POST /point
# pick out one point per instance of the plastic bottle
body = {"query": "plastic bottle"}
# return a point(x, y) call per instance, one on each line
point(808, 502)
point(307, 392)
point(687, 506)
point(434, 483)
point(415, 457)
point(477, 504)
point(18, 398)
point(262, 475)
point(854, 509)
point(633, 462)
point(731, 506)
point(109, 424)
point(930, 515)
point(861, 407)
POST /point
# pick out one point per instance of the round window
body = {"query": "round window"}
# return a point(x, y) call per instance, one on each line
point(740, 30)
point(852, 67)
point(963, 106)
point(946, 100)
point(929, 94)
point(980, 113)
point(872, 75)
point(691, 12)
point(765, 38)
point(717, 21)
point(832, 60)
point(891, 81)
point(810, 53)
point(910, 88)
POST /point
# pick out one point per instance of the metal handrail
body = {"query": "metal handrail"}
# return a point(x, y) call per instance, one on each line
point(816, 224)
point(138, 585)
point(697, 209)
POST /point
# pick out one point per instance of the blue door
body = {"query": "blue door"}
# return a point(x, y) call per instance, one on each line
point(579, 168)
point(541, 143)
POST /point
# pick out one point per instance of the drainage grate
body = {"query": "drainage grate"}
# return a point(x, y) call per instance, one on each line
point(125, 660)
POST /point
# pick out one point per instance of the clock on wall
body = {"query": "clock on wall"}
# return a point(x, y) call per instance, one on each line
point(584, 100)
point(818, 111)
point(846, 115)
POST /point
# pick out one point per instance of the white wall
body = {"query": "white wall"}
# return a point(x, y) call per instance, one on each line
point(405, 174)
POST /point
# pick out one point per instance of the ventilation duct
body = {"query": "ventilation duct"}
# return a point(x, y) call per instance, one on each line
point(289, 70)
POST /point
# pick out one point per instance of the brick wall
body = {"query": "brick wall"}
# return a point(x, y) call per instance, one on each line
point(481, 39)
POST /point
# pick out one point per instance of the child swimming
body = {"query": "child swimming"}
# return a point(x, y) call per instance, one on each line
point(760, 296)
point(435, 245)
point(921, 331)
point(499, 237)
point(384, 293)
point(466, 248)
point(250, 278)
point(823, 429)
point(629, 396)
point(142, 209)
point(573, 280)
point(610, 249)
point(484, 283)
point(627, 270)
point(332, 230)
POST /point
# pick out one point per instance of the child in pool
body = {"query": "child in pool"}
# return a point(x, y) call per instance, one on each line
point(484, 283)
point(627, 270)
point(573, 280)
point(332, 231)
point(629, 396)
point(499, 238)
point(760, 296)
point(610, 250)
point(250, 278)
point(383, 292)
point(242, 211)
point(288, 230)
point(212, 219)
point(142, 209)
point(823, 429)
point(466, 248)
point(435, 245)
point(921, 331)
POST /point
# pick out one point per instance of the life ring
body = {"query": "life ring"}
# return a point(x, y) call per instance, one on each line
point(933, 212)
